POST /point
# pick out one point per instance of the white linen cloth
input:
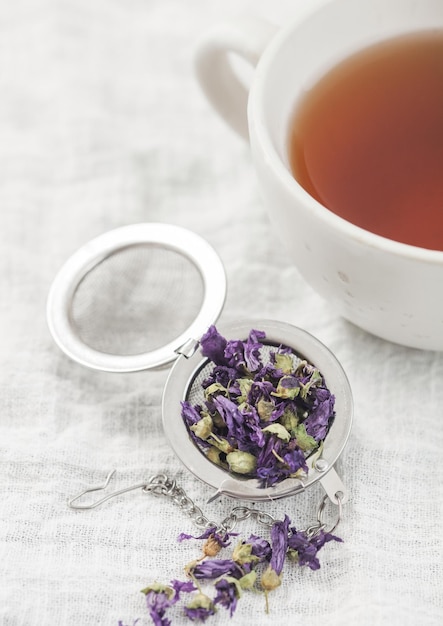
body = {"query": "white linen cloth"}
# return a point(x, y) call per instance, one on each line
point(102, 124)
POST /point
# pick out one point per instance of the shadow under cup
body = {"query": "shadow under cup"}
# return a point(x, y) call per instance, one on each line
point(385, 287)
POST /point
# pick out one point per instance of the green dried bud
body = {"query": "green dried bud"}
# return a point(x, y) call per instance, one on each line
point(245, 385)
point(278, 430)
point(203, 428)
point(284, 362)
point(159, 588)
point(241, 462)
point(290, 421)
point(220, 443)
point(213, 454)
point(265, 409)
point(243, 553)
point(300, 474)
point(248, 580)
point(304, 441)
point(215, 388)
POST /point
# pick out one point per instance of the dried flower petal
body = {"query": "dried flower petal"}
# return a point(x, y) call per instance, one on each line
point(279, 543)
point(228, 593)
point(243, 427)
point(303, 549)
point(213, 346)
point(318, 422)
point(210, 533)
point(191, 414)
point(295, 460)
point(252, 350)
point(158, 602)
point(211, 568)
point(288, 387)
point(278, 430)
point(182, 587)
point(260, 547)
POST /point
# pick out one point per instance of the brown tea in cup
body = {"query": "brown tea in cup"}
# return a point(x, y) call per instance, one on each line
point(367, 140)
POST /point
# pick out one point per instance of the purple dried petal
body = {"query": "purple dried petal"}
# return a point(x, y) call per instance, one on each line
point(289, 382)
point(321, 538)
point(181, 587)
point(190, 413)
point(213, 346)
point(243, 428)
point(270, 476)
point(279, 543)
point(223, 375)
point(222, 540)
point(260, 547)
point(227, 595)
point(269, 469)
point(295, 460)
point(235, 354)
point(307, 548)
point(252, 350)
point(214, 568)
point(318, 422)
point(260, 389)
point(158, 603)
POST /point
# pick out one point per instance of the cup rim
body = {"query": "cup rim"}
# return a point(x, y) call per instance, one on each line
point(258, 128)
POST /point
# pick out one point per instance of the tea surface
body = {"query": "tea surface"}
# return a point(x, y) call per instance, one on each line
point(367, 140)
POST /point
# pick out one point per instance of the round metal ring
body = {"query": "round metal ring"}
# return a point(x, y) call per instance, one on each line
point(66, 282)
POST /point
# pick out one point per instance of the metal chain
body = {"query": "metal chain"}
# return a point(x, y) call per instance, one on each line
point(161, 485)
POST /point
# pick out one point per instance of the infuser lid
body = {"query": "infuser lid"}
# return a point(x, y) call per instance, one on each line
point(114, 304)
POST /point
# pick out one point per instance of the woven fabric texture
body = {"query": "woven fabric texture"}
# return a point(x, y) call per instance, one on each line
point(102, 124)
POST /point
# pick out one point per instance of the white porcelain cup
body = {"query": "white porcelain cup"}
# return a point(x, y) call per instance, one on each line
point(390, 289)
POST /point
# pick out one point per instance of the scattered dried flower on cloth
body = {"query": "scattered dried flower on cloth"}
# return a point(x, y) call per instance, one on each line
point(254, 564)
point(259, 419)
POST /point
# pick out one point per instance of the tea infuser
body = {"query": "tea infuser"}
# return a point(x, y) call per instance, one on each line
point(113, 306)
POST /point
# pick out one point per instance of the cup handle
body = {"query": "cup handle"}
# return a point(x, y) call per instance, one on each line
point(246, 37)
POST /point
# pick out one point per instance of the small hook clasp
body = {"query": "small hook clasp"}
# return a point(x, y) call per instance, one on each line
point(100, 488)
